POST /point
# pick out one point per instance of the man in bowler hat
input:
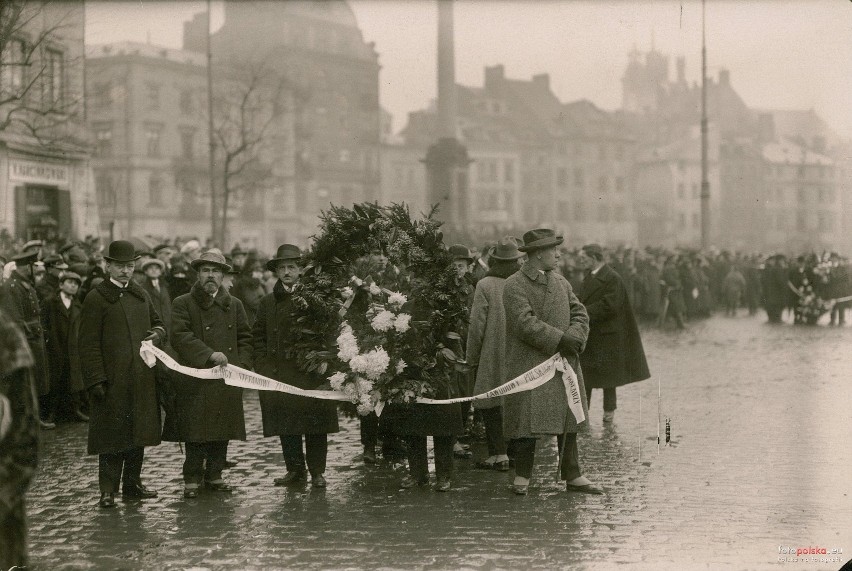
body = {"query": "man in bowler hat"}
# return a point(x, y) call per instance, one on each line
point(124, 413)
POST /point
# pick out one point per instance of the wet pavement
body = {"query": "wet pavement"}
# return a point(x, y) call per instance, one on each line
point(759, 461)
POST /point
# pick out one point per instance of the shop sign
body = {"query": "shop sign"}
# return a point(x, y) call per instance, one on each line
point(38, 173)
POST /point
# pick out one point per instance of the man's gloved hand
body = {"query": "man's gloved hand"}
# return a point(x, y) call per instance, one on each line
point(97, 392)
point(218, 359)
point(568, 347)
point(153, 335)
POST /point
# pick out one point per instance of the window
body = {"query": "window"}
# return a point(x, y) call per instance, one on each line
point(801, 221)
point(152, 94)
point(486, 170)
point(53, 75)
point(681, 190)
point(681, 222)
point(509, 170)
point(826, 221)
point(152, 140)
point(103, 140)
point(105, 190)
point(185, 102)
point(187, 142)
point(578, 177)
point(14, 60)
point(102, 96)
point(155, 190)
point(619, 184)
point(695, 220)
point(603, 184)
point(695, 193)
point(187, 189)
point(562, 177)
point(578, 211)
point(802, 193)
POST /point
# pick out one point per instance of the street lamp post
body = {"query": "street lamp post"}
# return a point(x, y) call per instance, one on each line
point(705, 183)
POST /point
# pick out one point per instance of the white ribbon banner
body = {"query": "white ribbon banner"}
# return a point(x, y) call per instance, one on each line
point(239, 377)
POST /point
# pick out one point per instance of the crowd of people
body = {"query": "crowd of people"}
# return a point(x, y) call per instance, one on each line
point(76, 313)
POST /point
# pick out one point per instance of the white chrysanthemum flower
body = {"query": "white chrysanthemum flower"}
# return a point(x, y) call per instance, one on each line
point(337, 380)
point(347, 292)
point(400, 366)
point(365, 408)
point(364, 387)
point(402, 322)
point(375, 290)
point(383, 321)
point(397, 299)
point(347, 345)
point(371, 364)
point(350, 392)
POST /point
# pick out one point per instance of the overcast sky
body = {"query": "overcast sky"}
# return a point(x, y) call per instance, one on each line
point(781, 54)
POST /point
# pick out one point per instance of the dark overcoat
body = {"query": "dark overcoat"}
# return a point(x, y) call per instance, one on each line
point(283, 413)
point(63, 328)
point(614, 355)
point(161, 300)
point(21, 303)
point(113, 323)
point(207, 410)
point(540, 308)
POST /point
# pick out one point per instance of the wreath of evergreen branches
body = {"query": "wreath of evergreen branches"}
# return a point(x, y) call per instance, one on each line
point(437, 296)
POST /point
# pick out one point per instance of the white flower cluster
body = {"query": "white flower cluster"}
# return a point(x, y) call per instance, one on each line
point(383, 321)
point(347, 345)
point(337, 380)
point(371, 364)
point(397, 299)
point(402, 322)
point(400, 366)
point(347, 292)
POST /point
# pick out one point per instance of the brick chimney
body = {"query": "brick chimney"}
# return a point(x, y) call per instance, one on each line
point(724, 78)
point(494, 75)
point(542, 80)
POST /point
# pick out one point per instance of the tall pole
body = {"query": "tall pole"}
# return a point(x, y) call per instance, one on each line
point(705, 183)
point(446, 71)
point(211, 142)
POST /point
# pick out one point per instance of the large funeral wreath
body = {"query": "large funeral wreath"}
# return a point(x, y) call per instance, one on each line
point(378, 306)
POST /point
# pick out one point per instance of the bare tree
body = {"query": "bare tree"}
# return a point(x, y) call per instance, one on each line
point(37, 102)
point(250, 106)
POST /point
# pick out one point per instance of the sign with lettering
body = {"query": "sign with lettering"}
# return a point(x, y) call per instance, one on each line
point(39, 173)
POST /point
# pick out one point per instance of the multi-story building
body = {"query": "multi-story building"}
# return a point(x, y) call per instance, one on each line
point(538, 162)
point(148, 116)
point(803, 203)
point(334, 75)
point(46, 188)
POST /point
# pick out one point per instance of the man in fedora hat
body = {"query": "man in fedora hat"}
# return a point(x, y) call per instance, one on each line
point(54, 265)
point(614, 355)
point(290, 417)
point(63, 325)
point(157, 289)
point(21, 303)
point(463, 264)
point(209, 328)
point(124, 413)
point(543, 316)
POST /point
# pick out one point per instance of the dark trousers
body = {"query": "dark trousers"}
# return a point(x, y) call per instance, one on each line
point(314, 453)
point(204, 461)
point(523, 450)
point(418, 464)
point(493, 419)
point(610, 400)
point(124, 467)
point(13, 536)
point(393, 449)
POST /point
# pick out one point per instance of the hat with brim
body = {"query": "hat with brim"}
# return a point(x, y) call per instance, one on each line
point(506, 250)
point(25, 258)
point(285, 253)
point(460, 252)
point(71, 276)
point(211, 258)
point(55, 261)
point(153, 261)
point(593, 250)
point(121, 251)
point(539, 239)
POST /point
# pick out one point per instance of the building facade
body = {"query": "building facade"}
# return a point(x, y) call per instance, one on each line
point(46, 184)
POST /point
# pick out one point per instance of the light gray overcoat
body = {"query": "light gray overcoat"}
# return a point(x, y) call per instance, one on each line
point(540, 307)
point(486, 338)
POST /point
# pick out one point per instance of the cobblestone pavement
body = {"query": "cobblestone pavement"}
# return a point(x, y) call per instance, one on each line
point(759, 459)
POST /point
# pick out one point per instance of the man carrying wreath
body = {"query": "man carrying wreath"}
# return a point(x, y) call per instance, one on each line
point(290, 417)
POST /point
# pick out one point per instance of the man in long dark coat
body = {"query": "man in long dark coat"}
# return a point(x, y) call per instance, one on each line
point(614, 355)
point(774, 287)
point(290, 416)
point(21, 303)
point(124, 416)
point(209, 328)
point(63, 324)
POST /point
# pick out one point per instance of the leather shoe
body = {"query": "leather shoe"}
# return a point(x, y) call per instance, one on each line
point(219, 487)
point(107, 500)
point(138, 491)
point(584, 488)
point(502, 466)
point(442, 485)
point(369, 455)
point(291, 478)
point(463, 454)
point(46, 424)
point(483, 465)
point(409, 482)
point(318, 481)
point(80, 415)
point(190, 493)
point(519, 489)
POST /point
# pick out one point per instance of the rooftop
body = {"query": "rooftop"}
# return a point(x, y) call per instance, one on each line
point(145, 50)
